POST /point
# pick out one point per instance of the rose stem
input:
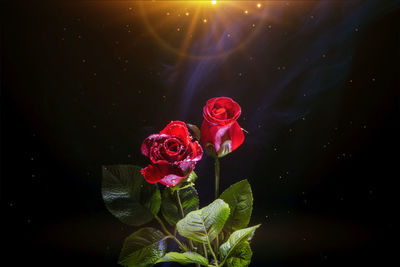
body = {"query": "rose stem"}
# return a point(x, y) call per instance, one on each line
point(212, 252)
point(216, 165)
point(205, 251)
point(169, 234)
point(180, 204)
point(217, 171)
point(183, 216)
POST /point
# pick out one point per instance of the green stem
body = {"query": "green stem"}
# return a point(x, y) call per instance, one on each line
point(212, 253)
point(216, 165)
point(180, 204)
point(183, 216)
point(168, 233)
point(205, 251)
point(217, 175)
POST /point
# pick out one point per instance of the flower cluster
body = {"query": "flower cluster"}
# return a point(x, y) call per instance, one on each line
point(173, 153)
point(215, 235)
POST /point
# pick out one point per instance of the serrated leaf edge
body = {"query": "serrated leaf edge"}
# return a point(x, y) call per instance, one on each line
point(237, 243)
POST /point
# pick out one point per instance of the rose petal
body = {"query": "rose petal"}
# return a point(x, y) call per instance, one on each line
point(149, 141)
point(186, 166)
point(172, 179)
point(236, 136)
point(172, 142)
point(216, 135)
point(163, 172)
point(232, 110)
point(212, 134)
point(177, 129)
point(186, 152)
point(151, 174)
point(220, 113)
point(197, 151)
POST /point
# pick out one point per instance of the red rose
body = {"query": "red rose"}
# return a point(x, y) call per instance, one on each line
point(220, 132)
point(173, 154)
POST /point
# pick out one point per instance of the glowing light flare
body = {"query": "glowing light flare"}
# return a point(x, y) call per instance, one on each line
point(189, 15)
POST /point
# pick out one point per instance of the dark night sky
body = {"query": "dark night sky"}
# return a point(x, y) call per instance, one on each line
point(83, 84)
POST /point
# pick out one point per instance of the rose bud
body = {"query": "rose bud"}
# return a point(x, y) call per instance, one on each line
point(172, 153)
point(220, 132)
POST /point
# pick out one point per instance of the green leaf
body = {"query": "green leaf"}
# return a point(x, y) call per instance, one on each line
point(205, 224)
point(169, 206)
point(188, 182)
point(142, 248)
point(235, 240)
point(184, 258)
point(128, 196)
point(240, 200)
point(192, 177)
point(240, 256)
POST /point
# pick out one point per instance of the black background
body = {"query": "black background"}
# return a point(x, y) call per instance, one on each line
point(324, 184)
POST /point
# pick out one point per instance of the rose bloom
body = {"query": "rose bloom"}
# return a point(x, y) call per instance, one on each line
point(172, 153)
point(220, 132)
